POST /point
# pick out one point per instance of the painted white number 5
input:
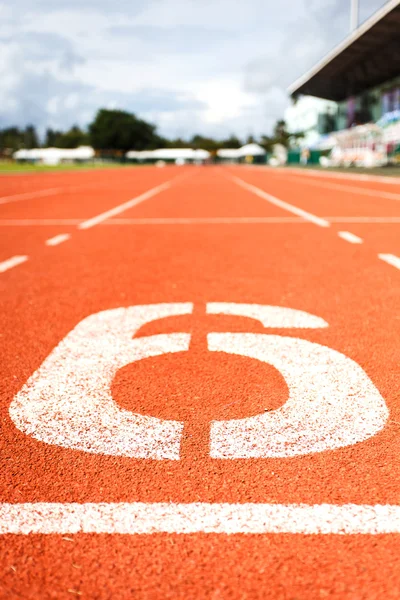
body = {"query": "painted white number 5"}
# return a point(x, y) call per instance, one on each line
point(332, 403)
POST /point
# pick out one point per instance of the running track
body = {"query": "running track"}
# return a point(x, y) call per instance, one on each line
point(303, 271)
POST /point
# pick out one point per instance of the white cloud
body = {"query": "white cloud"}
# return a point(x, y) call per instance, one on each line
point(215, 67)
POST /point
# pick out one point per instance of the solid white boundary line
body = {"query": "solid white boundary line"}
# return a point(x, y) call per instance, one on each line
point(38, 222)
point(390, 259)
point(57, 239)
point(350, 237)
point(284, 205)
point(204, 220)
point(12, 262)
point(142, 518)
point(347, 188)
point(29, 195)
point(194, 221)
point(333, 174)
point(350, 176)
point(122, 207)
point(381, 220)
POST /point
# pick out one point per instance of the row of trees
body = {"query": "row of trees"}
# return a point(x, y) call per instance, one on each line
point(119, 131)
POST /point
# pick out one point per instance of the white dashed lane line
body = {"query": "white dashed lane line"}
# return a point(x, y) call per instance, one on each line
point(390, 259)
point(350, 237)
point(58, 239)
point(12, 262)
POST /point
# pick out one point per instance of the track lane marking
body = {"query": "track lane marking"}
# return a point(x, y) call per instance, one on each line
point(350, 237)
point(327, 174)
point(29, 195)
point(280, 203)
point(348, 188)
point(194, 221)
point(381, 220)
point(37, 222)
point(57, 239)
point(390, 259)
point(203, 220)
point(199, 517)
point(12, 262)
point(125, 206)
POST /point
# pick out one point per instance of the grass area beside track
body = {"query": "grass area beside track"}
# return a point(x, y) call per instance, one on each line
point(14, 167)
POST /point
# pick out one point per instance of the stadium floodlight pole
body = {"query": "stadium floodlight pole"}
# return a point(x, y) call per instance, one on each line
point(354, 15)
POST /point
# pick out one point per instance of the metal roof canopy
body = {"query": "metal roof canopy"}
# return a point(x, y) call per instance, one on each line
point(367, 57)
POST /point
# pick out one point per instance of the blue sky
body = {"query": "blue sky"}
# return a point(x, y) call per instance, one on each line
point(214, 67)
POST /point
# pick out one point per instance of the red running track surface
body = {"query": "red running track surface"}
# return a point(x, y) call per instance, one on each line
point(205, 238)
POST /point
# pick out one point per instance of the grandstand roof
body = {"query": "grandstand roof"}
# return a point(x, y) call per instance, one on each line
point(369, 56)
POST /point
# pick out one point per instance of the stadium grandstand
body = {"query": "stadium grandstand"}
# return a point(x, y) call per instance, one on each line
point(355, 89)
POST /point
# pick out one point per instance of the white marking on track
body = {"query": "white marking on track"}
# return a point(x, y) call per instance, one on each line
point(29, 195)
point(122, 207)
point(36, 222)
point(194, 221)
point(390, 259)
point(350, 237)
point(327, 174)
point(203, 220)
point(281, 203)
point(68, 400)
point(332, 402)
point(385, 220)
point(348, 188)
point(12, 262)
point(167, 517)
point(58, 239)
point(269, 316)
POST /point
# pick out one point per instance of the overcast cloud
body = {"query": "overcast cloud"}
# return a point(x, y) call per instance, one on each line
point(191, 66)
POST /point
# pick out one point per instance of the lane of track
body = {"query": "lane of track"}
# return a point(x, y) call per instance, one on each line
point(278, 263)
point(382, 235)
point(74, 207)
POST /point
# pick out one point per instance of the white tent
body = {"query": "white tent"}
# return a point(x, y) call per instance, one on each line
point(169, 154)
point(235, 154)
point(53, 156)
point(251, 150)
point(228, 153)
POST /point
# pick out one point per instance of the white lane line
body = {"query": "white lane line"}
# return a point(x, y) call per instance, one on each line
point(203, 220)
point(340, 175)
point(277, 202)
point(37, 222)
point(141, 518)
point(350, 237)
point(12, 262)
point(348, 188)
point(122, 207)
point(390, 259)
point(382, 220)
point(29, 195)
point(194, 221)
point(58, 239)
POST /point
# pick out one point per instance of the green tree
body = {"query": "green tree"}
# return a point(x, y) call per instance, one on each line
point(281, 134)
point(73, 138)
point(267, 143)
point(11, 138)
point(178, 143)
point(231, 142)
point(204, 143)
point(30, 137)
point(120, 131)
